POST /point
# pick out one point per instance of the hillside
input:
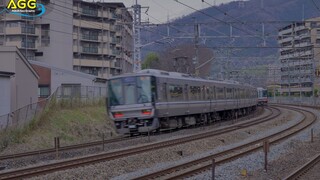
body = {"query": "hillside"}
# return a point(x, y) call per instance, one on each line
point(250, 43)
point(72, 125)
point(247, 21)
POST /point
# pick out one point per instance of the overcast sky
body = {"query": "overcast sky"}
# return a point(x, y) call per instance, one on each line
point(160, 10)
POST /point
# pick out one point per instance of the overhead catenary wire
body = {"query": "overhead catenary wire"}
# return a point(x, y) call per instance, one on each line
point(315, 4)
point(217, 19)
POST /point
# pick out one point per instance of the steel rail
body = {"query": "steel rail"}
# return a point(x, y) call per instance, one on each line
point(207, 159)
point(304, 168)
point(67, 164)
point(66, 148)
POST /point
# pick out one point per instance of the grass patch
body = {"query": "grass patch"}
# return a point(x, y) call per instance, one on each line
point(76, 124)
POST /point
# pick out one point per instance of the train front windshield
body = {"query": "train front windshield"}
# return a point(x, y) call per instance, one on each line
point(262, 93)
point(131, 90)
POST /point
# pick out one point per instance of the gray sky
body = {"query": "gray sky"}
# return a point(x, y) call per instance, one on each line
point(161, 10)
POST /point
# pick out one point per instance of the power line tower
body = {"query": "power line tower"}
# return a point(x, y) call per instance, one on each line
point(241, 4)
point(136, 37)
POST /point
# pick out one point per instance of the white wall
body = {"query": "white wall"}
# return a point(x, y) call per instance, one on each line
point(60, 51)
point(5, 96)
point(63, 77)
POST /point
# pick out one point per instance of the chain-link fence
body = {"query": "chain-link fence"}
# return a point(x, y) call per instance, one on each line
point(64, 96)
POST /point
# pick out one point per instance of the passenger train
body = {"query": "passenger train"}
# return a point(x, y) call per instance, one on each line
point(151, 100)
point(262, 96)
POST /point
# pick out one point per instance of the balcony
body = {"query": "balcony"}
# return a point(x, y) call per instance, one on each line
point(115, 52)
point(104, 14)
point(91, 63)
point(93, 50)
point(296, 89)
point(27, 18)
point(90, 24)
point(296, 81)
point(90, 12)
point(13, 43)
point(285, 39)
point(302, 62)
point(299, 28)
point(90, 37)
point(289, 30)
point(28, 30)
point(28, 45)
point(303, 44)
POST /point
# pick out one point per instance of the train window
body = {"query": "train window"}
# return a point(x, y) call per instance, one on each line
point(144, 89)
point(213, 92)
point(195, 92)
point(219, 93)
point(115, 92)
point(154, 89)
point(176, 92)
point(208, 93)
point(186, 97)
point(229, 93)
point(129, 93)
point(164, 92)
point(242, 93)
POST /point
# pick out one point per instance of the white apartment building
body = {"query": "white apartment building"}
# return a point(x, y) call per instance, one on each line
point(299, 57)
point(274, 75)
point(90, 37)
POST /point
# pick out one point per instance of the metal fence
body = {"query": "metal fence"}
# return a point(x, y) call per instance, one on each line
point(313, 101)
point(64, 96)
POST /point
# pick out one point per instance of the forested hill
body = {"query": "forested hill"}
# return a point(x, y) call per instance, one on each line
point(247, 19)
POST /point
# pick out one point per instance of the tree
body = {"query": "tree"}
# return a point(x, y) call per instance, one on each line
point(150, 61)
point(181, 59)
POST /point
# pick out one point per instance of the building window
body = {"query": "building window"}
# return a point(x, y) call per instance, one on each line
point(71, 90)
point(43, 91)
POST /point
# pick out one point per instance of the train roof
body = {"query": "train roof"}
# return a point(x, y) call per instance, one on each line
point(261, 88)
point(166, 74)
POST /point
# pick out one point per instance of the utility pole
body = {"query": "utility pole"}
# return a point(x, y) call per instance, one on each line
point(196, 44)
point(136, 37)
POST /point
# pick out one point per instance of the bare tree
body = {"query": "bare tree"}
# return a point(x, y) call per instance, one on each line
point(181, 59)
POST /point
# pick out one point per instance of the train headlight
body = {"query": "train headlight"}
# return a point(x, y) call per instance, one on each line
point(146, 112)
point(117, 114)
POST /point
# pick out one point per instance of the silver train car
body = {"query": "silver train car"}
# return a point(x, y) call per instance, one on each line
point(153, 99)
point(262, 96)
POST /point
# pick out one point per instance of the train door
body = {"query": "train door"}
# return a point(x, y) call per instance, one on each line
point(210, 92)
point(186, 95)
point(162, 104)
point(165, 98)
point(204, 99)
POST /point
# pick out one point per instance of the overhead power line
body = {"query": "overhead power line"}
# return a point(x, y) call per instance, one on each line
point(315, 4)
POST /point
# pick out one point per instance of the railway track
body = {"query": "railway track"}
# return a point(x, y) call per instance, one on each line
point(203, 164)
point(67, 148)
point(63, 148)
point(44, 169)
point(297, 174)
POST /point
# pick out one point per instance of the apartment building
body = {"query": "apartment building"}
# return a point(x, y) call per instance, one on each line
point(274, 75)
point(299, 57)
point(90, 37)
